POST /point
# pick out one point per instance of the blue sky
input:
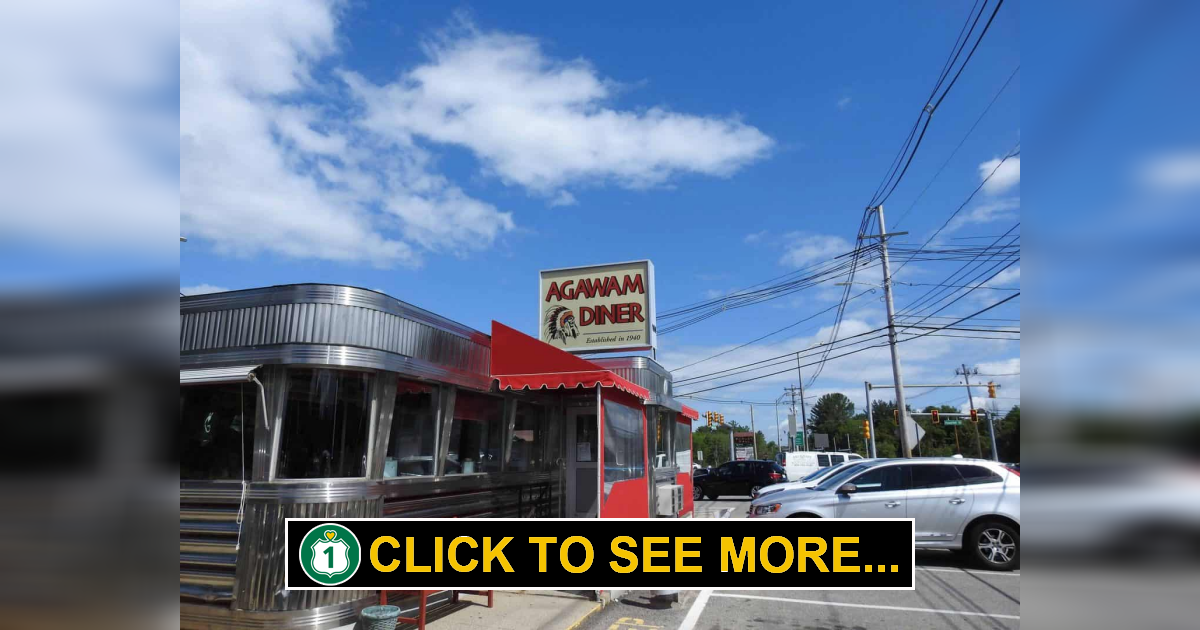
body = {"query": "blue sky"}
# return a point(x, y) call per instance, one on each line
point(400, 147)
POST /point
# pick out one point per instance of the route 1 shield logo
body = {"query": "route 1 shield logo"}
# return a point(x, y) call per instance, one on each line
point(330, 554)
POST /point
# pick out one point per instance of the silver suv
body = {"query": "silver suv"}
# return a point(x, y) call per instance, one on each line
point(961, 504)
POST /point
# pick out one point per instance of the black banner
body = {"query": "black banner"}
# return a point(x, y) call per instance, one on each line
point(593, 554)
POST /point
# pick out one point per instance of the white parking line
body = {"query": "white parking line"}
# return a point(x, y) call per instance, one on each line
point(939, 611)
point(978, 572)
point(693, 616)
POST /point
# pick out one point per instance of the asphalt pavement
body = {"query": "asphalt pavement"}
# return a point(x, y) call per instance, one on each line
point(950, 594)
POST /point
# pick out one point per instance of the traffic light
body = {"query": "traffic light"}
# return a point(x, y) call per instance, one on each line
point(866, 430)
point(975, 416)
point(896, 413)
point(991, 389)
point(934, 413)
point(708, 415)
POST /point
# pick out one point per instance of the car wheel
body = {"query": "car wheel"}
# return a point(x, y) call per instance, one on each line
point(995, 545)
point(697, 493)
point(754, 491)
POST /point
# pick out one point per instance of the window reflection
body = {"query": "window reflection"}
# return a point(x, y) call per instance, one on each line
point(664, 440)
point(475, 434)
point(216, 431)
point(325, 424)
point(529, 438)
point(412, 445)
point(623, 444)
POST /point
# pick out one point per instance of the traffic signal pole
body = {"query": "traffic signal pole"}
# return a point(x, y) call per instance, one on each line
point(871, 420)
point(966, 374)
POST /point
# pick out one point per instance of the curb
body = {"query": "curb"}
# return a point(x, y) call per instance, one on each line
point(578, 622)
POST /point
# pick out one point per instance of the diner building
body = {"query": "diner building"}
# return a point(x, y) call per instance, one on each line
point(331, 401)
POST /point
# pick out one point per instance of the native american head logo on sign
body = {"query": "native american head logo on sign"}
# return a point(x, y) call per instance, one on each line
point(560, 324)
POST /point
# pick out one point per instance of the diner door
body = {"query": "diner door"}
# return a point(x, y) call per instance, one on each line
point(583, 467)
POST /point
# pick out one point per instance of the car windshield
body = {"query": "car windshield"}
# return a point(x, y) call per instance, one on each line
point(838, 477)
point(820, 472)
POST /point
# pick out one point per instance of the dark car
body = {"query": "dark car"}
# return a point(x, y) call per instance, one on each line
point(737, 478)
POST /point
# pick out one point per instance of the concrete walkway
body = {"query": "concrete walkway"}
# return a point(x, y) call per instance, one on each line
point(514, 610)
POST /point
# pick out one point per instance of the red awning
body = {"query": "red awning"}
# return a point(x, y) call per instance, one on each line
point(688, 412)
point(522, 362)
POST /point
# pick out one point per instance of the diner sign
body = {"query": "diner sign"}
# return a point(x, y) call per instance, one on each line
point(599, 308)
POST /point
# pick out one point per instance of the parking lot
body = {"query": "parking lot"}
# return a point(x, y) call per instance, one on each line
point(949, 594)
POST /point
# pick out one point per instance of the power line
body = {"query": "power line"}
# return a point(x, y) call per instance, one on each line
point(960, 145)
point(856, 351)
point(893, 178)
point(746, 292)
point(932, 105)
point(1015, 152)
point(953, 277)
point(783, 358)
point(775, 332)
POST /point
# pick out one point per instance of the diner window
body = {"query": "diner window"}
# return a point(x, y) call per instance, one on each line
point(624, 457)
point(412, 446)
point(664, 440)
point(326, 424)
point(475, 434)
point(216, 431)
point(529, 438)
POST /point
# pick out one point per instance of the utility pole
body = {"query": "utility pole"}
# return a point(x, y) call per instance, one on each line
point(753, 433)
point(791, 391)
point(778, 444)
point(803, 410)
point(965, 373)
point(906, 448)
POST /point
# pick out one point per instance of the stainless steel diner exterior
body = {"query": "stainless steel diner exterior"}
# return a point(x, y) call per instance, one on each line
point(331, 401)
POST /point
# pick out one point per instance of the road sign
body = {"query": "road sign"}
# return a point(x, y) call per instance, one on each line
point(952, 422)
point(915, 432)
point(799, 440)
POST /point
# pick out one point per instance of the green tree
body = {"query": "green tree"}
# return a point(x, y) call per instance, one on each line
point(833, 414)
point(1008, 436)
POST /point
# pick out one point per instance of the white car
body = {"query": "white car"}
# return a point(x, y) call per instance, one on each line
point(971, 505)
point(811, 480)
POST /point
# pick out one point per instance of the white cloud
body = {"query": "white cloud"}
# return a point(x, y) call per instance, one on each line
point(1006, 176)
point(1009, 278)
point(563, 198)
point(755, 237)
point(803, 248)
point(1173, 172)
point(201, 289)
point(261, 174)
point(544, 123)
point(276, 157)
point(843, 103)
point(986, 212)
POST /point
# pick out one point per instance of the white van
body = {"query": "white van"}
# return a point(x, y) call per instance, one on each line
point(798, 464)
